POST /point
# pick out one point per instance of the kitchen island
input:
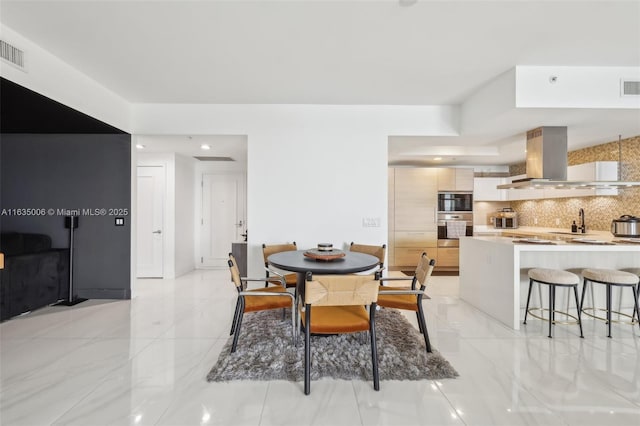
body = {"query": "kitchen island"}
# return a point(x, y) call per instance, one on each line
point(493, 271)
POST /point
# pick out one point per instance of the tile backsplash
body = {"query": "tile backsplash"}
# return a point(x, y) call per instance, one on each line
point(599, 211)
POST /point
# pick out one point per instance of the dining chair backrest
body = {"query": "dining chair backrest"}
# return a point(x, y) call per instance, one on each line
point(340, 290)
point(377, 251)
point(235, 272)
point(424, 270)
point(268, 250)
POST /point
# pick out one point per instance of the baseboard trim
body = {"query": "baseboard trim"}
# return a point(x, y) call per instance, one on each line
point(105, 293)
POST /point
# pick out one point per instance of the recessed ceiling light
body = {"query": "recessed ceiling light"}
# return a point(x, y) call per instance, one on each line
point(205, 146)
point(437, 159)
point(140, 146)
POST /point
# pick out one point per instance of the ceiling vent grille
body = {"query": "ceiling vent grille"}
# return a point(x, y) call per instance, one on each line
point(12, 54)
point(630, 87)
point(214, 158)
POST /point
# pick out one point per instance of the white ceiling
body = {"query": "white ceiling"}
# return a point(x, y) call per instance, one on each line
point(339, 52)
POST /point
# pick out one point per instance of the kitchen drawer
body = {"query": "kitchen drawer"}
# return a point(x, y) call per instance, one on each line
point(416, 238)
point(448, 257)
point(409, 257)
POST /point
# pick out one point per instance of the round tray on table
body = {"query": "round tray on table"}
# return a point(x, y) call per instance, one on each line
point(326, 255)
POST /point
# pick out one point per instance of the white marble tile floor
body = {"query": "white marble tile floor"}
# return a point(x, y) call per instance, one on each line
point(143, 362)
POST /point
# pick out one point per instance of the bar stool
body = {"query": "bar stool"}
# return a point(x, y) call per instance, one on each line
point(553, 278)
point(610, 277)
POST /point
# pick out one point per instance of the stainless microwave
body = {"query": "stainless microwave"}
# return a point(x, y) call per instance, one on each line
point(455, 202)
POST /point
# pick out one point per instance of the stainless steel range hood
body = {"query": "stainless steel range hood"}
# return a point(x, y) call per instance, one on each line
point(546, 165)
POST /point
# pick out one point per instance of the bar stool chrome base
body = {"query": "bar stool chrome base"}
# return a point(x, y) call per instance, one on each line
point(554, 321)
point(633, 319)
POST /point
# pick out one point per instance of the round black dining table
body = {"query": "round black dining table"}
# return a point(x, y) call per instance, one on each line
point(296, 261)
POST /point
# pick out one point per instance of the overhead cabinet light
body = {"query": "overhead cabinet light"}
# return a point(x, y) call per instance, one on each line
point(563, 184)
point(546, 166)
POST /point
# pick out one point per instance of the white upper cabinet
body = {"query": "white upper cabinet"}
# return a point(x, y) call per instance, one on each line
point(485, 189)
point(598, 171)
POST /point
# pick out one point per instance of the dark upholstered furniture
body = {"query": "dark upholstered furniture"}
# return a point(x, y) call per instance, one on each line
point(34, 274)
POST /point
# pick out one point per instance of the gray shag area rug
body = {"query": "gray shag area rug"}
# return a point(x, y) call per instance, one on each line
point(265, 352)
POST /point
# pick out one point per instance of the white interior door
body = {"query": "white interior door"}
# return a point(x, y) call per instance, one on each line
point(223, 219)
point(150, 238)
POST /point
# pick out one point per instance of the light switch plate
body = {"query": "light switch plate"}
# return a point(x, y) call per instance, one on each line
point(371, 222)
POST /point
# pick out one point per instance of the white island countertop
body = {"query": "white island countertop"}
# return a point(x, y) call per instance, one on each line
point(493, 269)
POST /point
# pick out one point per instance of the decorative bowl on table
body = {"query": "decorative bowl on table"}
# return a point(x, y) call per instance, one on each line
point(324, 251)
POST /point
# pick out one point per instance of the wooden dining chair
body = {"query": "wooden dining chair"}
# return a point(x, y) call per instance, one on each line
point(268, 250)
point(335, 304)
point(377, 251)
point(275, 296)
point(410, 297)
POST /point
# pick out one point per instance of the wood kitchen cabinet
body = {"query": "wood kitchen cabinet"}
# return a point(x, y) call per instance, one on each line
point(448, 257)
point(455, 179)
point(413, 193)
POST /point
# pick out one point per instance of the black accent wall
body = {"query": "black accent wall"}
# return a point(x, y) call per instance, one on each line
point(55, 158)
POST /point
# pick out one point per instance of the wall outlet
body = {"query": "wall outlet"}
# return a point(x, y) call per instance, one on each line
point(557, 221)
point(535, 220)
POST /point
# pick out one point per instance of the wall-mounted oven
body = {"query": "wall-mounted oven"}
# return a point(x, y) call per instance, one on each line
point(452, 226)
point(455, 202)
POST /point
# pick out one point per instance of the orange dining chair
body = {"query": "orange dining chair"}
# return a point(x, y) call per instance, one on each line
point(377, 251)
point(268, 250)
point(410, 298)
point(260, 299)
point(335, 304)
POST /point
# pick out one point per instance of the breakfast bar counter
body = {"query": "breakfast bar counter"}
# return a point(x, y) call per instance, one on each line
point(493, 269)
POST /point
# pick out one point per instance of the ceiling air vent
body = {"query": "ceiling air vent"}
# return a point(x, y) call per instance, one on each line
point(630, 87)
point(214, 158)
point(12, 54)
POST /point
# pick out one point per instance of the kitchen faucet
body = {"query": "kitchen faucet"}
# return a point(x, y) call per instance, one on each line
point(582, 226)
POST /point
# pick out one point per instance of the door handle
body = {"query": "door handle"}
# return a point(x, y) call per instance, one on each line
point(157, 232)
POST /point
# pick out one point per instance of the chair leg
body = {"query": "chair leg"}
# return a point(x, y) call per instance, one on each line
point(609, 309)
point(584, 292)
point(552, 307)
point(419, 323)
point(307, 350)
point(235, 317)
point(374, 348)
point(526, 310)
point(637, 305)
point(237, 331)
point(575, 293)
point(423, 323)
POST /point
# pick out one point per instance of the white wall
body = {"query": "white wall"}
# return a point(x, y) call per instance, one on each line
point(184, 214)
point(314, 171)
point(57, 80)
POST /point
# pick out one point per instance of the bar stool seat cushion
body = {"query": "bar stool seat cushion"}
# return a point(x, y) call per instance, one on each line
point(553, 276)
point(610, 276)
point(635, 271)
